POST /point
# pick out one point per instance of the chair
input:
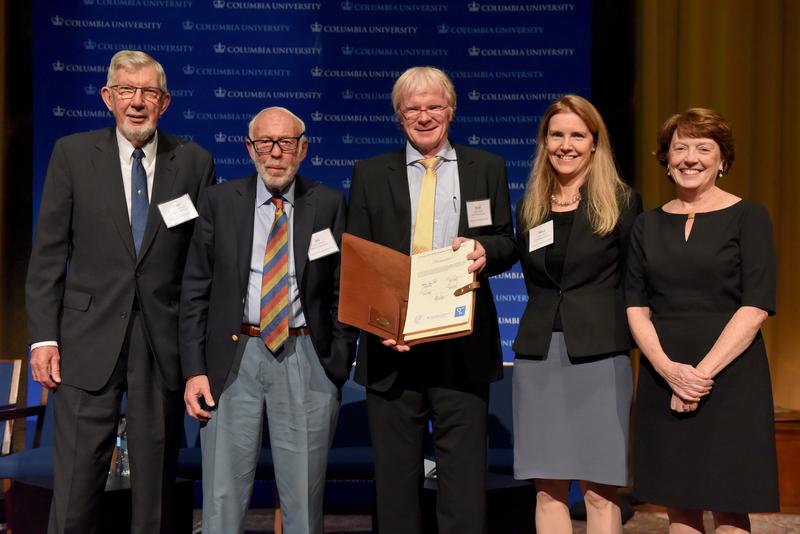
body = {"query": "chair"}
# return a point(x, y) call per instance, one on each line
point(9, 389)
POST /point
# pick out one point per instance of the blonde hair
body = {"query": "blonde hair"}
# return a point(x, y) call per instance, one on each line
point(134, 60)
point(423, 78)
point(607, 193)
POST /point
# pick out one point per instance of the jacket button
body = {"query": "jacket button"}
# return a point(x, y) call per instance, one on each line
point(123, 315)
point(560, 293)
point(234, 338)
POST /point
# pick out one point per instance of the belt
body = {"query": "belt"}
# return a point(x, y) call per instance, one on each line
point(255, 331)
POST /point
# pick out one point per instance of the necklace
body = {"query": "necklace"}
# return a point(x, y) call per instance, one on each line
point(573, 200)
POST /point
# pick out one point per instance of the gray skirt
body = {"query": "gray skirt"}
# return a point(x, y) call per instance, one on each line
point(571, 417)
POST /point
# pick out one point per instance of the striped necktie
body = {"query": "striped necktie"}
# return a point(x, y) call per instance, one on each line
point(275, 282)
point(423, 226)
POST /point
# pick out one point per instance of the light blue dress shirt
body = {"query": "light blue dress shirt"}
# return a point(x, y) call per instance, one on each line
point(447, 206)
point(262, 223)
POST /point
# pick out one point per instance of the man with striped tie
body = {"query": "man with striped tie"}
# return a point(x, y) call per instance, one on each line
point(259, 329)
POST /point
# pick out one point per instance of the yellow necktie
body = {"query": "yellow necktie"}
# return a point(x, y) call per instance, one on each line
point(423, 227)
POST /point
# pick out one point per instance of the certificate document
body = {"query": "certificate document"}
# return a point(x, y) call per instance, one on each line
point(437, 302)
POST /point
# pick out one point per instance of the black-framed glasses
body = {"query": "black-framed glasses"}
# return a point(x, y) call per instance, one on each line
point(127, 92)
point(434, 110)
point(286, 144)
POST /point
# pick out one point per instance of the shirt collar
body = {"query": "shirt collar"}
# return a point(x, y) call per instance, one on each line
point(126, 148)
point(263, 195)
point(447, 152)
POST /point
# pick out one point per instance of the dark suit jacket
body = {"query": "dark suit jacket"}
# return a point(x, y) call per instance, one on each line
point(380, 211)
point(218, 267)
point(590, 294)
point(83, 274)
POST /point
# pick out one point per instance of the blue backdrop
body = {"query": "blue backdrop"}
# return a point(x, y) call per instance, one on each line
point(333, 63)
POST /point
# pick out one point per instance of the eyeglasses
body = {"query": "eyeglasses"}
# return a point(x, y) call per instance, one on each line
point(436, 110)
point(286, 144)
point(127, 92)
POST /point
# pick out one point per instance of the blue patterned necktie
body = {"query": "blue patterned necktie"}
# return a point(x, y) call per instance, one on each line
point(139, 201)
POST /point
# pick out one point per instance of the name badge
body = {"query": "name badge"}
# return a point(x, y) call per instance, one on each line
point(479, 213)
point(322, 244)
point(178, 211)
point(540, 236)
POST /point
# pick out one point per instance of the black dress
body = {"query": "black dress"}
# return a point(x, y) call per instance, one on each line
point(720, 457)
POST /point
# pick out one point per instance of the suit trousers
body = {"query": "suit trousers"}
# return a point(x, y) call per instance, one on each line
point(301, 405)
point(85, 432)
point(398, 422)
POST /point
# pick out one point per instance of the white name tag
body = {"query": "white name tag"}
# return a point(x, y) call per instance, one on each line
point(479, 213)
point(540, 236)
point(177, 211)
point(322, 244)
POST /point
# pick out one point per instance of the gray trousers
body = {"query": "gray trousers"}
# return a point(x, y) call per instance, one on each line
point(301, 405)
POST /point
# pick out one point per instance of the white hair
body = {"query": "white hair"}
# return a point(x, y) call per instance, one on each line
point(134, 60)
point(284, 110)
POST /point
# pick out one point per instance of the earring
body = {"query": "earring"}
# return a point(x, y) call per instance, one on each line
point(720, 174)
point(667, 173)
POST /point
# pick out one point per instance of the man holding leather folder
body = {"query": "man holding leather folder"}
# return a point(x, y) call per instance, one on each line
point(428, 195)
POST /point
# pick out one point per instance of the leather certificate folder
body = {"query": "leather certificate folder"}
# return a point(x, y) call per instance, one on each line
point(374, 293)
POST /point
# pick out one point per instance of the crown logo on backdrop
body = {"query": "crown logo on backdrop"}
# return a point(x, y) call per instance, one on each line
point(189, 114)
point(316, 72)
point(188, 25)
point(58, 111)
point(57, 21)
point(474, 51)
point(219, 92)
point(316, 161)
point(347, 5)
point(443, 28)
point(347, 50)
point(188, 69)
point(474, 95)
point(58, 66)
point(474, 139)
point(90, 89)
point(347, 94)
point(316, 27)
point(89, 44)
point(220, 137)
point(346, 183)
point(219, 4)
point(316, 116)
point(219, 48)
point(474, 7)
point(347, 139)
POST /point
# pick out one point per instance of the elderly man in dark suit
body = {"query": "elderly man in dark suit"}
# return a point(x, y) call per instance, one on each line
point(102, 297)
point(259, 329)
point(431, 194)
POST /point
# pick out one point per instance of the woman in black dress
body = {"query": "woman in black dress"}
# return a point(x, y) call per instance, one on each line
point(700, 283)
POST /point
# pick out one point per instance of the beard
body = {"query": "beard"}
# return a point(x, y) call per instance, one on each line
point(138, 135)
point(276, 183)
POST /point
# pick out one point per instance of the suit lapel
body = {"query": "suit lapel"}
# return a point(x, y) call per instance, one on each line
point(303, 226)
point(398, 189)
point(163, 181)
point(107, 166)
point(244, 211)
point(466, 186)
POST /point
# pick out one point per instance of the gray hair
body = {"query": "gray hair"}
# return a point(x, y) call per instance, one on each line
point(299, 121)
point(421, 78)
point(134, 60)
